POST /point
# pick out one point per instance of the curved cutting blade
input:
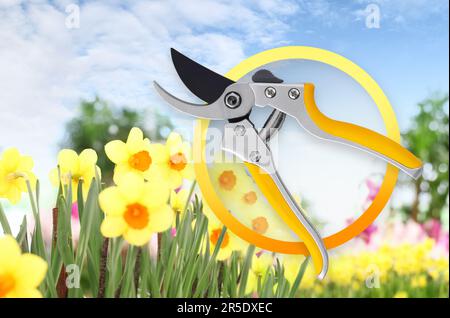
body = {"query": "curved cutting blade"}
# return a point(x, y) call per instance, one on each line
point(204, 83)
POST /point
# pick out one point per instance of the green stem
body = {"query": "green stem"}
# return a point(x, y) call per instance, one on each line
point(102, 271)
point(189, 197)
point(40, 246)
point(4, 221)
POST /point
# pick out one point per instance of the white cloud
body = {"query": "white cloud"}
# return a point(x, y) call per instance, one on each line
point(116, 53)
point(402, 12)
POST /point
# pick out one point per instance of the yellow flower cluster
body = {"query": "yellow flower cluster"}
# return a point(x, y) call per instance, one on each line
point(20, 274)
point(413, 263)
point(145, 174)
point(15, 170)
point(74, 168)
point(261, 263)
point(230, 242)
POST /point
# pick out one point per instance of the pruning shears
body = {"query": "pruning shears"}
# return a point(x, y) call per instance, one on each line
point(233, 102)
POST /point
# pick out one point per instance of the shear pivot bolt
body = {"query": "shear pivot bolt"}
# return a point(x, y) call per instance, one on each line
point(232, 100)
point(255, 156)
point(294, 93)
point(270, 92)
point(239, 130)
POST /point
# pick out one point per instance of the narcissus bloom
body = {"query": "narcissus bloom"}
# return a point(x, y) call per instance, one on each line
point(14, 170)
point(292, 265)
point(175, 158)
point(20, 274)
point(137, 155)
point(74, 168)
point(135, 209)
point(260, 266)
point(230, 241)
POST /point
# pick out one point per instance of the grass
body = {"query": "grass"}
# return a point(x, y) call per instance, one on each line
point(183, 267)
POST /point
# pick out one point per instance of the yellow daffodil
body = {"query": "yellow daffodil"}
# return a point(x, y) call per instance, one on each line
point(292, 265)
point(260, 265)
point(137, 155)
point(135, 209)
point(178, 200)
point(419, 281)
point(74, 168)
point(175, 158)
point(20, 274)
point(230, 241)
point(14, 170)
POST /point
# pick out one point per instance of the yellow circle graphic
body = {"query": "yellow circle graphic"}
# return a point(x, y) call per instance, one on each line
point(387, 114)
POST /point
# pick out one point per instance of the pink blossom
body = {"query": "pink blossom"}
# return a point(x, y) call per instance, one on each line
point(75, 214)
point(433, 228)
point(373, 190)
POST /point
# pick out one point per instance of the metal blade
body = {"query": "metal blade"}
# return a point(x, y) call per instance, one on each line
point(204, 83)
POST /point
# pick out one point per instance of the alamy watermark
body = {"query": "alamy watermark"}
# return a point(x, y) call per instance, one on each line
point(73, 276)
point(373, 276)
point(72, 20)
point(373, 16)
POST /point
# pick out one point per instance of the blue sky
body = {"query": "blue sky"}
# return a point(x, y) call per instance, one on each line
point(120, 47)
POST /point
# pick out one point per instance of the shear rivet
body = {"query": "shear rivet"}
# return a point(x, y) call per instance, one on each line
point(294, 93)
point(232, 100)
point(255, 156)
point(239, 130)
point(270, 92)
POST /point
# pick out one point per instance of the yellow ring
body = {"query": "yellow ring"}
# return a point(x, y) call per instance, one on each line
point(387, 114)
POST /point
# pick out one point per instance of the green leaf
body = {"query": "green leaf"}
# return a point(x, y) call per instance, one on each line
point(91, 208)
point(299, 278)
point(245, 270)
point(203, 281)
point(22, 238)
point(127, 285)
point(4, 221)
point(38, 246)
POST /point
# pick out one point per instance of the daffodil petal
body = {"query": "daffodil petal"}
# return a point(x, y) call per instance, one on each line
point(25, 293)
point(10, 159)
point(159, 153)
point(25, 164)
point(54, 177)
point(174, 140)
point(161, 219)
point(10, 251)
point(13, 194)
point(87, 160)
point(224, 253)
point(135, 140)
point(120, 171)
point(112, 201)
point(174, 178)
point(30, 271)
point(186, 150)
point(137, 237)
point(68, 161)
point(113, 226)
point(116, 151)
point(155, 194)
point(188, 172)
point(131, 186)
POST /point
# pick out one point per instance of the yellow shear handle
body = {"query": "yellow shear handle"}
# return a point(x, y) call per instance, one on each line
point(359, 135)
point(279, 204)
